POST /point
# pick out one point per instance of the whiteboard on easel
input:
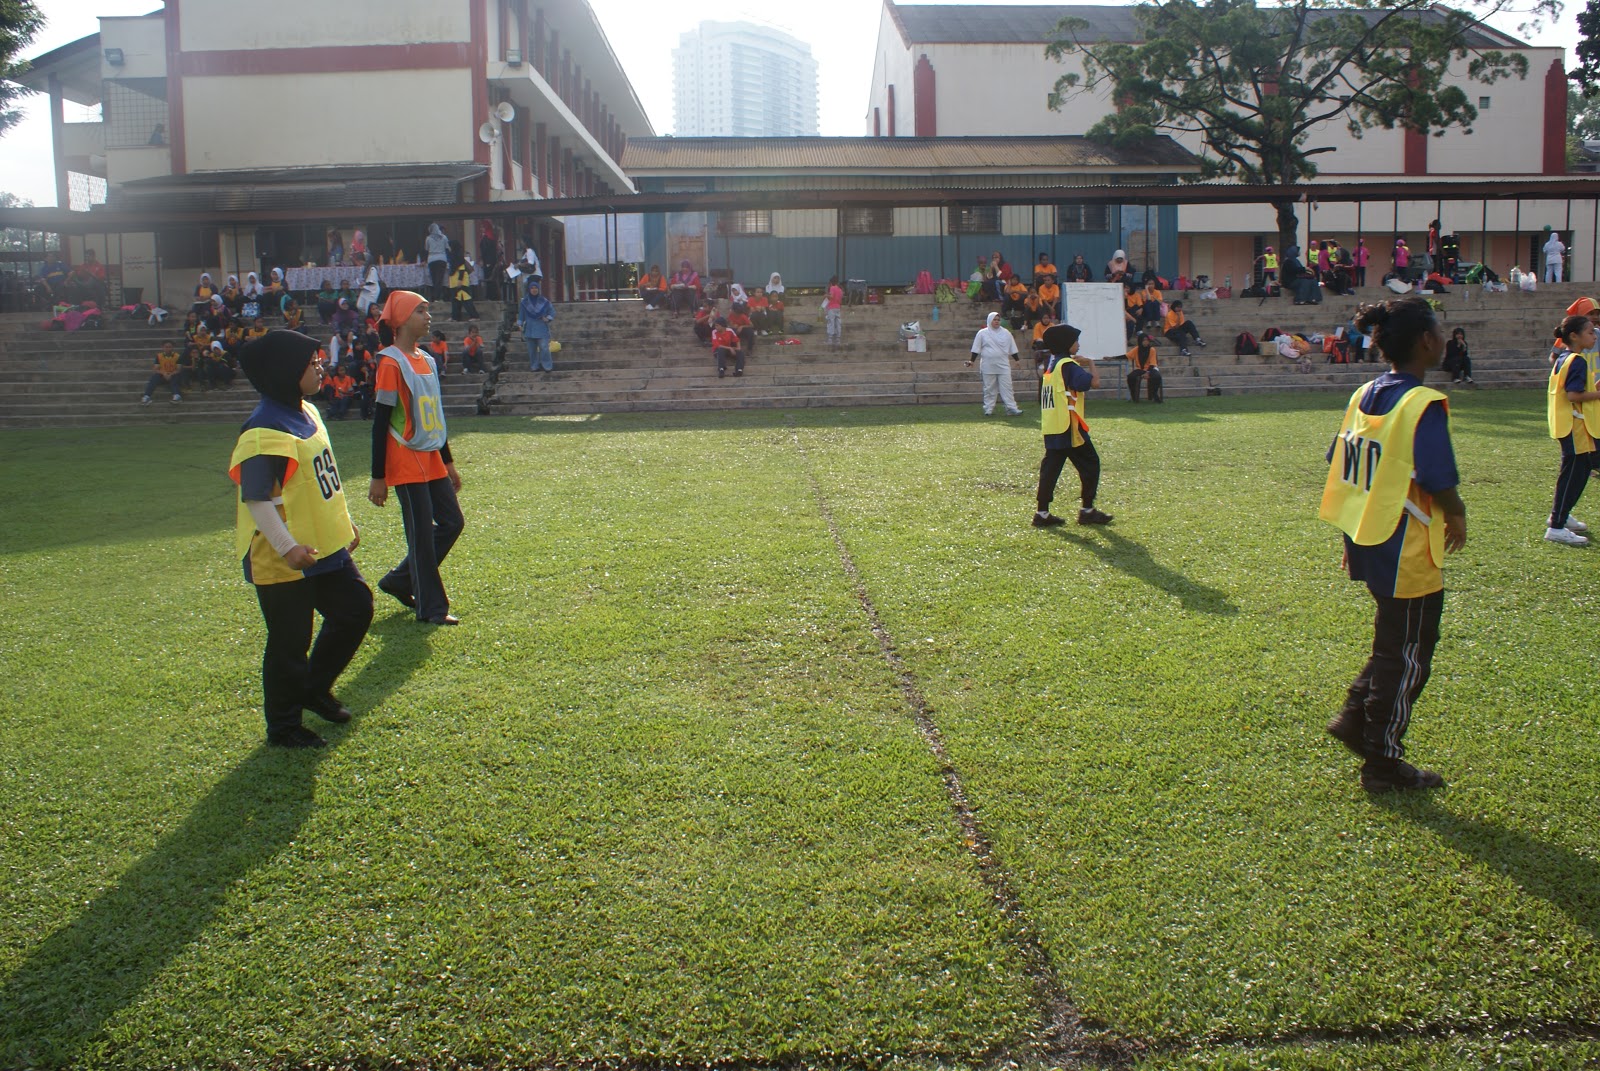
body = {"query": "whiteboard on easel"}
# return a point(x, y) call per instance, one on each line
point(1097, 310)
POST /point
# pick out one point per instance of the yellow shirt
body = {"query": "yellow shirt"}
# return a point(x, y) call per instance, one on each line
point(1370, 488)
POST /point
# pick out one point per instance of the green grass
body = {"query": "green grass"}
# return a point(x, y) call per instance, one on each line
point(660, 798)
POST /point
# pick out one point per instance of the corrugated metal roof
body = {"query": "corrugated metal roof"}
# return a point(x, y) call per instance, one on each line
point(1019, 24)
point(311, 188)
point(704, 156)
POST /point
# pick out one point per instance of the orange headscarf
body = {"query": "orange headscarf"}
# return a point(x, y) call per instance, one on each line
point(1583, 307)
point(399, 307)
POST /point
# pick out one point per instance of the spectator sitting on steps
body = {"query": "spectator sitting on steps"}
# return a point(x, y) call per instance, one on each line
point(1179, 331)
point(472, 350)
point(168, 372)
point(725, 344)
point(1143, 365)
point(653, 288)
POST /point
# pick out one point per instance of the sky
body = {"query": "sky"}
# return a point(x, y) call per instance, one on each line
point(643, 33)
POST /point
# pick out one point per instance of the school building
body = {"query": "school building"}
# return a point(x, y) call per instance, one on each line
point(885, 244)
point(949, 70)
point(209, 106)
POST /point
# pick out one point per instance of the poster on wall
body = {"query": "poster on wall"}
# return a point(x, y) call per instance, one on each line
point(686, 240)
point(1098, 311)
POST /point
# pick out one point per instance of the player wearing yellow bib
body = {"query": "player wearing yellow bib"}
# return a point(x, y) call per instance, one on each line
point(1574, 416)
point(1067, 378)
point(294, 538)
point(1391, 489)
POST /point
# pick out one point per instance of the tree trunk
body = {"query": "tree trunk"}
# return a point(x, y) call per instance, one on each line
point(1288, 227)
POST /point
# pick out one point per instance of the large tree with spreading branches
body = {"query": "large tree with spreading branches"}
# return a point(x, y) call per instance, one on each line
point(1255, 83)
point(19, 21)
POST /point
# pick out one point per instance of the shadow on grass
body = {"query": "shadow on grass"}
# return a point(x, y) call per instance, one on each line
point(59, 1000)
point(1560, 876)
point(1130, 557)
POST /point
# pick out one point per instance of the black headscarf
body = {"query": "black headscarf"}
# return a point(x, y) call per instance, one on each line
point(1059, 339)
point(275, 362)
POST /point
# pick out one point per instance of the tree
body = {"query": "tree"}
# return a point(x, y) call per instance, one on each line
point(16, 239)
point(1254, 82)
point(19, 21)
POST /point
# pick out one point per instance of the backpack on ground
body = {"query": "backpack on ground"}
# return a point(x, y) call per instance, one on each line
point(1244, 342)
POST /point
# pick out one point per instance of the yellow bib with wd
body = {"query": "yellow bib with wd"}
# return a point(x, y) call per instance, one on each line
point(1562, 411)
point(1372, 473)
point(312, 507)
point(1060, 409)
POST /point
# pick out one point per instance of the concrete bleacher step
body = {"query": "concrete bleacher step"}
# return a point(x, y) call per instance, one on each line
point(616, 358)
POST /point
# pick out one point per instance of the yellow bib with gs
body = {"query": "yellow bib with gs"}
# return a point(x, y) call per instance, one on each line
point(1060, 409)
point(1562, 411)
point(312, 507)
point(1372, 473)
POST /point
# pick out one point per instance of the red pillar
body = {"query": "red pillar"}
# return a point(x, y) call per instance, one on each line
point(923, 104)
point(1555, 119)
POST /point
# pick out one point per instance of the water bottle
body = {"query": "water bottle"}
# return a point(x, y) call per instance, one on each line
point(935, 312)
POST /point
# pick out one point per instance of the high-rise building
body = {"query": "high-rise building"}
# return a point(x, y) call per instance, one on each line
point(736, 79)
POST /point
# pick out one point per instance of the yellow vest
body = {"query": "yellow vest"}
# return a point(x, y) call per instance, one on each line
point(313, 507)
point(1269, 262)
point(1060, 409)
point(1371, 476)
point(1561, 411)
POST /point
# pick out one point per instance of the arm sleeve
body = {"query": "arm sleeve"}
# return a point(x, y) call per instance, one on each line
point(1577, 375)
point(1078, 377)
point(1434, 456)
point(259, 475)
point(269, 524)
point(382, 413)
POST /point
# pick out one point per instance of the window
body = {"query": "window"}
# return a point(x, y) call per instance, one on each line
point(1083, 219)
point(873, 220)
point(748, 221)
point(1483, 104)
point(189, 247)
point(135, 112)
point(979, 219)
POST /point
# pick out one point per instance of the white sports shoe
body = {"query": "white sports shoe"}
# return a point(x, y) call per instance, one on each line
point(1575, 525)
point(1563, 535)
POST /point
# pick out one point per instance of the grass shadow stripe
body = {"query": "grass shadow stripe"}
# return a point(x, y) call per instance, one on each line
point(1061, 1033)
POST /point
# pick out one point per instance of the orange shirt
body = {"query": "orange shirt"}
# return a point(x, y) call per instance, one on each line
point(1175, 318)
point(441, 354)
point(343, 386)
point(1133, 357)
point(472, 344)
point(1049, 293)
point(400, 464)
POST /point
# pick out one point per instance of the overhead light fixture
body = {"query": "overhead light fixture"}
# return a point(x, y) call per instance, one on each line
point(114, 57)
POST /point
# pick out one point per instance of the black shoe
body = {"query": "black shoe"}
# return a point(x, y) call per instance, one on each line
point(328, 708)
point(297, 737)
point(402, 596)
point(1090, 515)
point(1049, 520)
point(1345, 730)
point(442, 619)
point(1394, 775)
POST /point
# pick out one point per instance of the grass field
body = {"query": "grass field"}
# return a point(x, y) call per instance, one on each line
point(679, 789)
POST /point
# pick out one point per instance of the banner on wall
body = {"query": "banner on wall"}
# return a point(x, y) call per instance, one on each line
point(604, 239)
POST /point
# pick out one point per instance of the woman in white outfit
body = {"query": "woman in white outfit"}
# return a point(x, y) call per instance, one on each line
point(1554, 250)
point(990, 348)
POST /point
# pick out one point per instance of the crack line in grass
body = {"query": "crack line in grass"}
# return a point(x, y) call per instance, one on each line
point(1062, 1033)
